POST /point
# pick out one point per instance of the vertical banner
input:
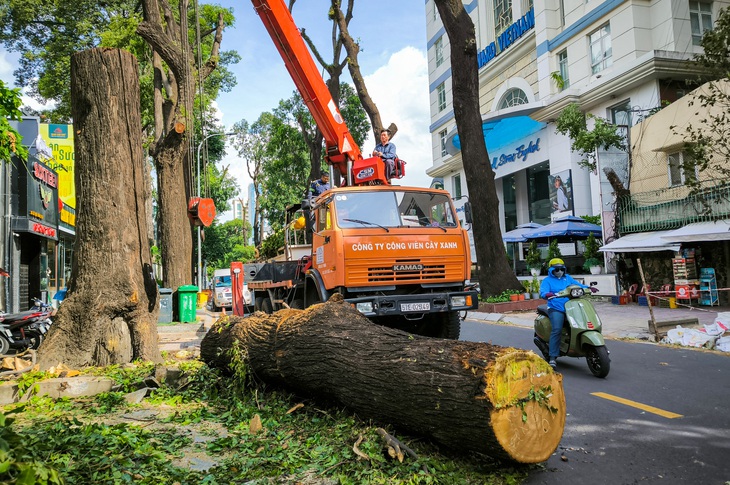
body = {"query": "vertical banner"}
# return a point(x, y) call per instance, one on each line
point(61, 141)
point(561, 193)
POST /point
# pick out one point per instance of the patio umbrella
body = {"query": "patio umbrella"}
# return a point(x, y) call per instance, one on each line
point(566, 228)
point(516, 235)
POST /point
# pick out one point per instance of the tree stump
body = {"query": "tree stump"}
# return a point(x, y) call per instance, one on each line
point(504, 402)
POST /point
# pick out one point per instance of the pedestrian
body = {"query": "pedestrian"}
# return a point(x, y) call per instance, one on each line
point(557, 280)
point(386, 150)
point(320, 185)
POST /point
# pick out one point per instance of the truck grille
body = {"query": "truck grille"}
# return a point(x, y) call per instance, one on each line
point(361, 273)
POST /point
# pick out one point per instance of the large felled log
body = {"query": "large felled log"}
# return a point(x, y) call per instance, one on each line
point(504, 402)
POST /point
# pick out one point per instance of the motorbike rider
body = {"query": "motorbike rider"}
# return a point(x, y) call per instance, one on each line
point(557, 280)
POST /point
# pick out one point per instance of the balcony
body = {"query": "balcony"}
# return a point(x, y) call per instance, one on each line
point(673, 207)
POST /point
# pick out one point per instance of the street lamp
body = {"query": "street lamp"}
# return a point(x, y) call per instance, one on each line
point(200, 252)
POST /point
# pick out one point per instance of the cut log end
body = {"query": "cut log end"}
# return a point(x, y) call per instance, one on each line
point(529, 412)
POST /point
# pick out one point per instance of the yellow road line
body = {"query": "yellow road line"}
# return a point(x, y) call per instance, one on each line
point(634, 404)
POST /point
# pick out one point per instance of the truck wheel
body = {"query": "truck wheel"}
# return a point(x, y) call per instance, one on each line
point(266, 306)
point(297, 304)
point(448, 325)
point(257, 304)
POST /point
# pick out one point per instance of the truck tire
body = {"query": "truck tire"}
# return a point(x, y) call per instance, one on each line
point(266, 306)
point(297, 304)
point(257, 304)
point(448, 325)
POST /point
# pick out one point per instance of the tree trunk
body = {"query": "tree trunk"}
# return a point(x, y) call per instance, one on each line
point(496, 274)
point(469, 396)
point(110, 313)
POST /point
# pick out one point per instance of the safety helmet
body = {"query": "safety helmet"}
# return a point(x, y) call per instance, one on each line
point(556, 262)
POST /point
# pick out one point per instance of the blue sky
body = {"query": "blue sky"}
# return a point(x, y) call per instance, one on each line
point(393, 40)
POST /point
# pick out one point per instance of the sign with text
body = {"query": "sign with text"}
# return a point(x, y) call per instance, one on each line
point(60, 139)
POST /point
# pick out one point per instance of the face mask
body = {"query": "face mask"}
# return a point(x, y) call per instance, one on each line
point(558, 273)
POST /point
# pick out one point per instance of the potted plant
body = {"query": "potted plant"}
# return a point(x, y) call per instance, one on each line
point(527, 285)
point(554, 250)
point(592, 261)
point(533, 261)
point(535, 287)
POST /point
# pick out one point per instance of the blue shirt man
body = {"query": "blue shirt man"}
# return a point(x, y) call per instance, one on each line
point(557, 280)
point(320, 185)
point(386, 151)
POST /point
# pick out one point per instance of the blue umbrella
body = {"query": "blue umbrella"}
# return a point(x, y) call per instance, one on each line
point(568, 227)
point(516, 235)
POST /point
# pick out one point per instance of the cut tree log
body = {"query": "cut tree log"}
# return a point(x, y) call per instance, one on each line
point(500, 401)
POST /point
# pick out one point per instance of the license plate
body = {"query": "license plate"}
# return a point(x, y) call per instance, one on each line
point(415, 307)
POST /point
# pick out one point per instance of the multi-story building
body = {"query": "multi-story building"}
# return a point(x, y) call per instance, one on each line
point(617, 59)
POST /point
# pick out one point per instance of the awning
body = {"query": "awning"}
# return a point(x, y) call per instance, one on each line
point(701, 231)
point(641, 242)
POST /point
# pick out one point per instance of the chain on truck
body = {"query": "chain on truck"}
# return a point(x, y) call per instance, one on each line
point(398, 254)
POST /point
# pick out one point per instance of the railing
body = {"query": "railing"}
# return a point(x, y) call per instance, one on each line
point(673, 207)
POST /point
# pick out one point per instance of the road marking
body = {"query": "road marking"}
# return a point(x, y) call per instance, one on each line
point(634, 404)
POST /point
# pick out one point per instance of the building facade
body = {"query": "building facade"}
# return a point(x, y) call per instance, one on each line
point(617, 59)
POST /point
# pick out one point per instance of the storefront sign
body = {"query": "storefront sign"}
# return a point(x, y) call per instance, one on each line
point(36, 209)
point(507, 38)
point(60, 140)
point(520, 153)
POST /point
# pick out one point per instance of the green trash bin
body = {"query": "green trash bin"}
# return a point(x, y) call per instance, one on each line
point(187, 302)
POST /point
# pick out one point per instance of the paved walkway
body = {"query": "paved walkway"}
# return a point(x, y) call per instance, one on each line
point(619, 321)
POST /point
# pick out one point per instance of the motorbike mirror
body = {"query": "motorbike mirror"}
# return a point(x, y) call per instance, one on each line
point(593, 283)
point(467, 213)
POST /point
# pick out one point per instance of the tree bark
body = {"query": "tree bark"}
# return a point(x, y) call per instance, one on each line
point(496, 274)
point(504, 402)
point(110, 313)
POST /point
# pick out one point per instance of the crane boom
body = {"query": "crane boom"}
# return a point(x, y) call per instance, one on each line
point(341, 146)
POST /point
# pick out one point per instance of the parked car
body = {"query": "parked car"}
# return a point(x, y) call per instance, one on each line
point(221, 295)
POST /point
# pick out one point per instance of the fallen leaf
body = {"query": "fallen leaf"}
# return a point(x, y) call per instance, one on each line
point(296, 406)
point(255, 425)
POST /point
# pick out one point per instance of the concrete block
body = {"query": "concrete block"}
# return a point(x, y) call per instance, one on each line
point(79, 386)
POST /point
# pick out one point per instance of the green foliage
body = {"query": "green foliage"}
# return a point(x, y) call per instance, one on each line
point(271, 245)
point(10, 139)
point(227, 242)
point(554, 250)
point(221, 186)
point(592, 219)
point(558, 80)
point(572, 122)
point(591, 253)
point(533, 259)
point(535, 285)
point(208, 417)
point(502, 297)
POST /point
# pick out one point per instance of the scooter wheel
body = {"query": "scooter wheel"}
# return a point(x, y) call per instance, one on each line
point(4, 345)
point(598, 361)
point(36, 339)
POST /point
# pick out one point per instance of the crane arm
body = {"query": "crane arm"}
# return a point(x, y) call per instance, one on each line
point(277, 19)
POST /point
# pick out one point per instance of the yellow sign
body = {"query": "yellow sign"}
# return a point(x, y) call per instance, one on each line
point(60, 138)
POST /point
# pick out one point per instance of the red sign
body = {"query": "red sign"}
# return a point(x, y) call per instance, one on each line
point(44, 230)
point(45, 175)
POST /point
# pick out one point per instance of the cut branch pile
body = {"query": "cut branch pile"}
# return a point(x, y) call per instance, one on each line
point(500, 401)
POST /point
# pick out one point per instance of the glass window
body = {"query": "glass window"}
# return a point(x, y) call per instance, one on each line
point(439, 47)
point(561, 7)
point(502, 15)
point(538, 193)
point(600, 41)
point(563, 67)
point(435, 11)
point(621, 114)
point(677, 165)
point(222, 281)
point(513, 97)
point(700, 17)
point(441, 92)
point(456, 185)
point(442, 139)
point(394, 209)
point(509, 196)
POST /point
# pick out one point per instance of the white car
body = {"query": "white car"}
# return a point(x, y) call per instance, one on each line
point(222, 295)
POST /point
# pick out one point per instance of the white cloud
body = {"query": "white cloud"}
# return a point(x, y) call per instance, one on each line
point(400, 91)
point(6, 67)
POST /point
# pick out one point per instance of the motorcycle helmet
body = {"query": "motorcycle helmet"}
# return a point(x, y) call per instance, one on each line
point(556, 262)
point(558, 267)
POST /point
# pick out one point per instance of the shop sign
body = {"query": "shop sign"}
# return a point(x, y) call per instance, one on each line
point(507, 38)
point(37, 208)
point(520, 153)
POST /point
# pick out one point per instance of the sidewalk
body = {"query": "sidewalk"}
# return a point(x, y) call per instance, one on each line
point(619, 321)
point(185, 336)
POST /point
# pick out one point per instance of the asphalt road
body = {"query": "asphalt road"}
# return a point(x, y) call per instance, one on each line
point(685, 438)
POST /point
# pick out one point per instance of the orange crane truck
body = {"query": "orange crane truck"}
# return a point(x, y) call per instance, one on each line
point(398, 254)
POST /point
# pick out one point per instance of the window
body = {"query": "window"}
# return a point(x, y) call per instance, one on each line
point(621, 114)
point(456, 186)
point(513, 97)
point(563, 68)
point(435, 11)
point(678, 163)
point(600, 41)
point(441, 93)
point(561, 12)
point(700, 17)
point(439, 47)
point(442, 138)
point(502, 15)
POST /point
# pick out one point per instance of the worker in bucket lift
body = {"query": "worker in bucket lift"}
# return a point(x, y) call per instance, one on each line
point(320, 185)
point(386, 150)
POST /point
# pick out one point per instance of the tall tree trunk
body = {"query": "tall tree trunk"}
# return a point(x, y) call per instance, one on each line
point(110, 313)
point(495, 273)
point(469, 396)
